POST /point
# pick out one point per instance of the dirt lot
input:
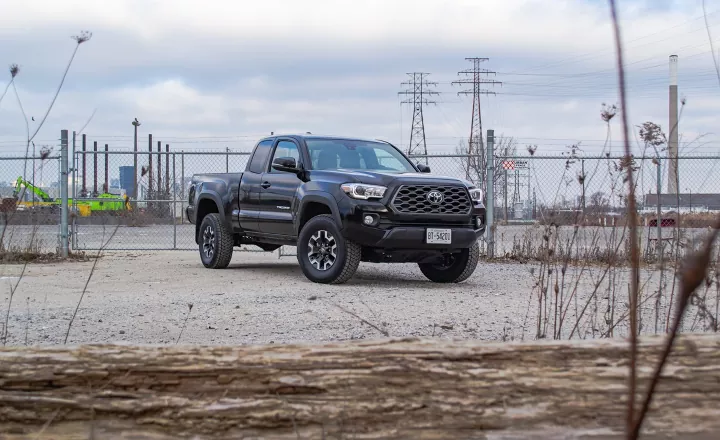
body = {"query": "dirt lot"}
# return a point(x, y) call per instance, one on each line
point(143, 297)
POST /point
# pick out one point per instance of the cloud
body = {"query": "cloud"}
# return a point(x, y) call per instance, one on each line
point(248, 68)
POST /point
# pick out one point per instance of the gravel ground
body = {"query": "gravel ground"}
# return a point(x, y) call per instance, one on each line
point(181, 236)
point(143, 297)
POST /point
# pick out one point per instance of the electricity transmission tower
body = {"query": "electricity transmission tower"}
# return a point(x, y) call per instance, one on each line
point(418, 88)
point(473, 76)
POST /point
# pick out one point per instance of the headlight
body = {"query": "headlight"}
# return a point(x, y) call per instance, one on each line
point(476, 194)
point(363, 191)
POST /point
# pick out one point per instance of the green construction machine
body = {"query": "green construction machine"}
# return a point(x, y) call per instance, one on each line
point(103, 202)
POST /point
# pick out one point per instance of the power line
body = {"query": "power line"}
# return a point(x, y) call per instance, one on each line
point(627, 44)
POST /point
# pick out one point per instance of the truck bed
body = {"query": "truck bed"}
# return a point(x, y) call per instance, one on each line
point(217, 185)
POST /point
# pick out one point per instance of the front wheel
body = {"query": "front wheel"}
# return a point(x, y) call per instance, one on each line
point(457, 268)
point(216, 242)
point(324, 255)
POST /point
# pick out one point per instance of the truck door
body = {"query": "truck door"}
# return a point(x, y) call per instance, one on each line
point(277, 192)
point(249, 189)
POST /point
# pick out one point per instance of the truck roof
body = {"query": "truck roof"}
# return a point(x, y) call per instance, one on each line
point(299, 136)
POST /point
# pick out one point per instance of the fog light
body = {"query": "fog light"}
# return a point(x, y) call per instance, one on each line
point(368, 220)
point(478, 222)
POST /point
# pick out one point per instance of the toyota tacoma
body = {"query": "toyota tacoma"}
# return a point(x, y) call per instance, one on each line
point(340, 201)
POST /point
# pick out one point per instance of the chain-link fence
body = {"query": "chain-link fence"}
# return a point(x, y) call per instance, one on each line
point(591, 192)
point(139, 198)
point(30, 204)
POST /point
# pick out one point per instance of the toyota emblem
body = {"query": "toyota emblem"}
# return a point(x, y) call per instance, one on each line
point(435, 197)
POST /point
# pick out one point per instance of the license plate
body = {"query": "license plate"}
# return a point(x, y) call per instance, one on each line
point(440, 236)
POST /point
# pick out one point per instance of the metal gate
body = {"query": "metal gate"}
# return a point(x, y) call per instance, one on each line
point(30, 203)
point(153, 216)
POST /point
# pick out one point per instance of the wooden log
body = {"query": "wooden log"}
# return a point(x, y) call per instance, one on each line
point(397, 388)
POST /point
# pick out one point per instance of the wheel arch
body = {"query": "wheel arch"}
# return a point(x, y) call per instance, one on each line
point(315, 204)
point(208, 202)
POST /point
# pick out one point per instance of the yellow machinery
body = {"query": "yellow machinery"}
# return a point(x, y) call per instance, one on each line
point(104, 202)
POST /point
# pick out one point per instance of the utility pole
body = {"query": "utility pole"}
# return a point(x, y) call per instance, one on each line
point(135, 124)
point(673, 178)
point(106, 186)
point(95, 169)
point(159, 176)
point(83, 191)
point(418, 89)
point(474, 77)
point(167, 168)
point(534, 204)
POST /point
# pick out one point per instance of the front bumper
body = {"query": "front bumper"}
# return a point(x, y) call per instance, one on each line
point(413, 237)
point(408, 232)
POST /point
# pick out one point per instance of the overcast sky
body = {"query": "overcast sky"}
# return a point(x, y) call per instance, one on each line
point(232, 71)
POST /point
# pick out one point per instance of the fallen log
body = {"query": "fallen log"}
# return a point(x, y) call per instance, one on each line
point(397, 388)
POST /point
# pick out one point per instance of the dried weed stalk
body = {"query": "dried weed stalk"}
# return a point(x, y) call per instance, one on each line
point(632, 215)
point(187, 316)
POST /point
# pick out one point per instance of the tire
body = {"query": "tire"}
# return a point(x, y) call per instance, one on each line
point(216, 251)
point(459, 270)
point(316, 242)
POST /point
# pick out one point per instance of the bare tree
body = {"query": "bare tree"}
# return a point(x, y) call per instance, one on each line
point(599, 201)
point(475, 165)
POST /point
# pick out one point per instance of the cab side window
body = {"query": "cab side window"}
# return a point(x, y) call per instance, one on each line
point(257, 161)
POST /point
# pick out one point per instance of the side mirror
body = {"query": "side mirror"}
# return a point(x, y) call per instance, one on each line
point(423, 168)
point(287, 164)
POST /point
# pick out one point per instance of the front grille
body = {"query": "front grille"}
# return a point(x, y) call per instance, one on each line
point(413, 199)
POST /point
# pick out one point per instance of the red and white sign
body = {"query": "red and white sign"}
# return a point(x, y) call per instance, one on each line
point(508, 164)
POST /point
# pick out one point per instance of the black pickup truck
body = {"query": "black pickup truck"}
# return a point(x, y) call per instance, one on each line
point(340, 201)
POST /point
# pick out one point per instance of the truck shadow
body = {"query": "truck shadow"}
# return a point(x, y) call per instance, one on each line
point(371, 278)
point(365, 276)
point(279, 268)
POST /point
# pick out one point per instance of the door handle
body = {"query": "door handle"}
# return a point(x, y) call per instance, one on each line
point(265, 184)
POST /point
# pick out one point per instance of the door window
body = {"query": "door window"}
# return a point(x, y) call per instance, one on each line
point(285, 149)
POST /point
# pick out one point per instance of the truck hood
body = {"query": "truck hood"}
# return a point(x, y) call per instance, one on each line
point(387, 178)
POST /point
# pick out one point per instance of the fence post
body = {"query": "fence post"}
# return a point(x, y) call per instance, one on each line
point(659, 210)
point(148, 203)
point(582, 165)
point(174, 203)
point(73, 235)
point(505, 190)
point(182, 182)
point(490, 196)
point(64, 193)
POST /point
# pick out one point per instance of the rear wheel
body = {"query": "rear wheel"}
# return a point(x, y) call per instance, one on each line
point(457, 268)
point(216, 242)
point(324, 255)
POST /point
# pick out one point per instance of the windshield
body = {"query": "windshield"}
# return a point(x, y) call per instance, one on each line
point(333, 154)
